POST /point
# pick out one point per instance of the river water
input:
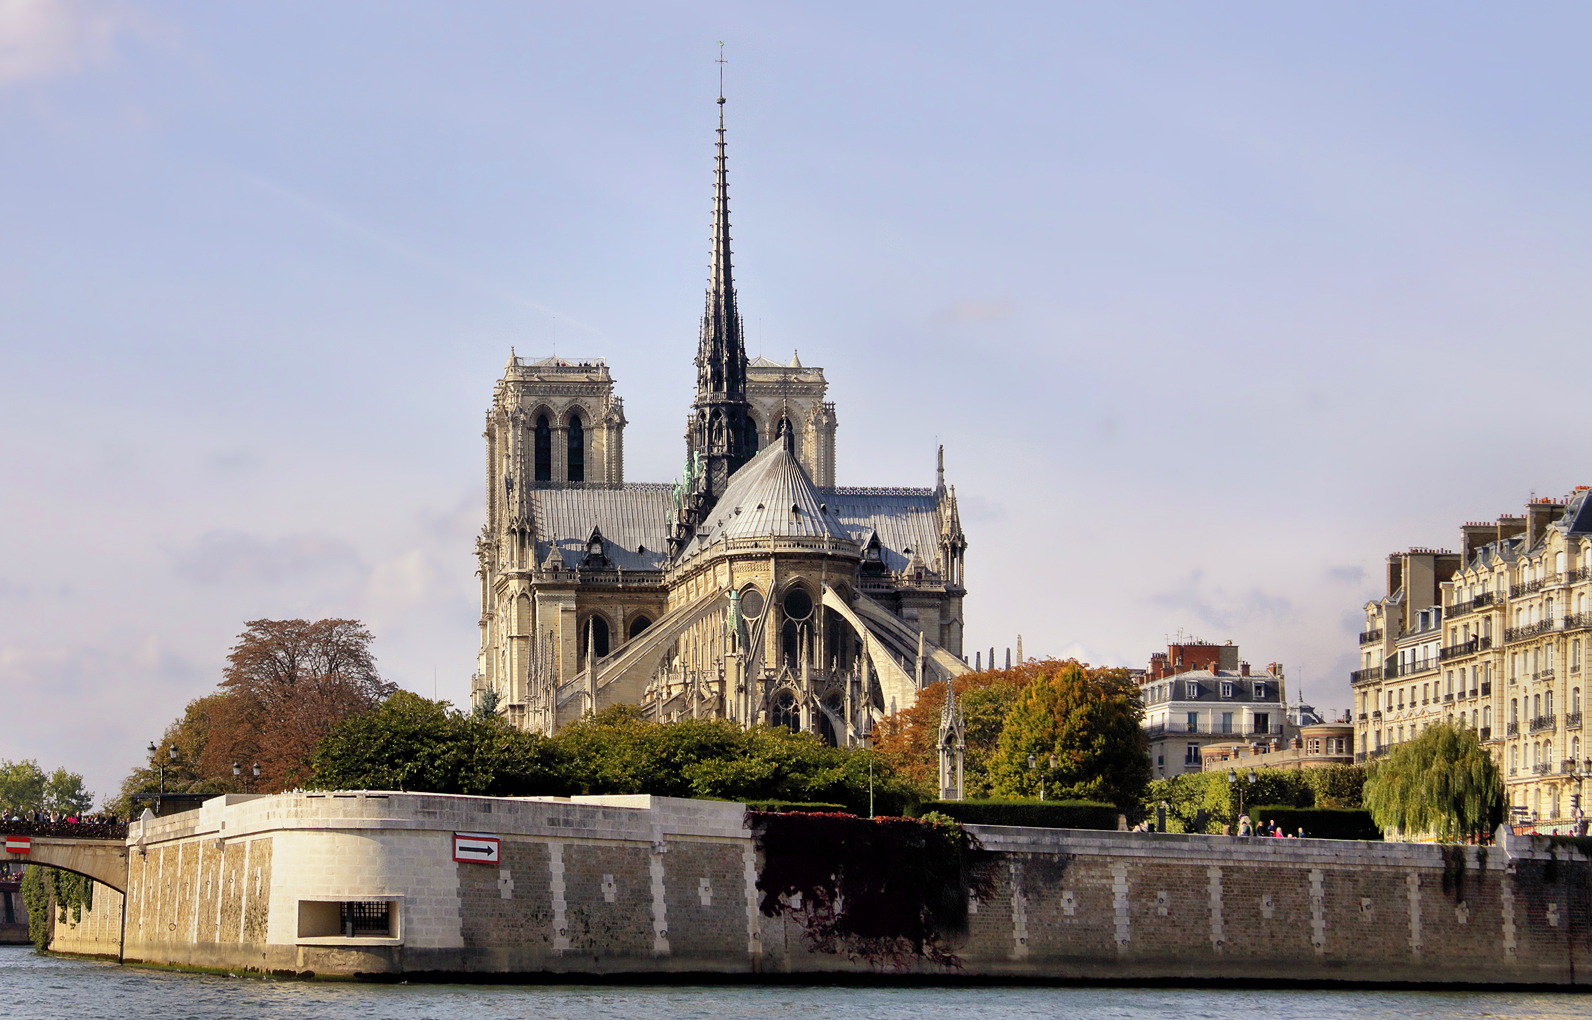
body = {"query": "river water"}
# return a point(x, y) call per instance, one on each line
point(47, 988)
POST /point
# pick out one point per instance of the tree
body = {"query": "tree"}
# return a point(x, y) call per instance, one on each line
point(412, 743)
point(1442, 784)
point(289, 682)
point(64, 792)
point(1090, 726)
point(908, 739)
point(22, 785)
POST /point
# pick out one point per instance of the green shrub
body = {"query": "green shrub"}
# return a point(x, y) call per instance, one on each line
point(1319, 823)
point(796, 806)
point(1038, 814)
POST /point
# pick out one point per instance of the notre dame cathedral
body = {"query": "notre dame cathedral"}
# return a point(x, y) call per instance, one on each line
point(752, 589)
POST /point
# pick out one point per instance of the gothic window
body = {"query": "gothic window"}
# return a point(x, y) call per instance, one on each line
point(577, 450)
point(596, 631)
point(638, 625)
point(798, 604)
point(544, 449)
point(784, 712)
point(751, 603)
point(750, 442)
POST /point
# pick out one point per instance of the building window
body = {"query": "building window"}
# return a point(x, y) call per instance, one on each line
point(577, 450)
point(1227, 722)
point(1262, 722)
point(1227, 689)
point(544, 449)
point(1191, 689)
point(1260, 692)
point(1191, 754)
point(1193, 722)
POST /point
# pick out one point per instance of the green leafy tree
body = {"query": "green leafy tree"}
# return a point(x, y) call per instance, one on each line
point(412, 743)
point(1442, 784)
point(1090, 727)
point(64, 792)
point(22, 785)
point(1205, 801)
point(909, 738)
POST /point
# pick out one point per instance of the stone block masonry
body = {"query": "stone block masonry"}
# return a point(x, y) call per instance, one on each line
point(597, 887)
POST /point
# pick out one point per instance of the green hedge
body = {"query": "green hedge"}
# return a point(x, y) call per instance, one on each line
point(1038, 814)
point(1319, 823)
point(793, 806)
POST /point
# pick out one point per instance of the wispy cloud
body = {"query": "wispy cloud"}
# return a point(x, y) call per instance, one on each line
point(1217, 607)
point(237, 557)
point(47, 38)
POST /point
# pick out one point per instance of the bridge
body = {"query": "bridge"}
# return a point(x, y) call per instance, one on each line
point(94, 850)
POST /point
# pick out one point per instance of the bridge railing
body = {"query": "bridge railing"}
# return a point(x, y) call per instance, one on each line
point(66, 830)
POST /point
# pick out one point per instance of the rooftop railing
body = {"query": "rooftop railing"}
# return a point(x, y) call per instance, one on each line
point(1370, 636)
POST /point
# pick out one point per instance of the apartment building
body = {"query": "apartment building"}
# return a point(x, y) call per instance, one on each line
point(1198, 694)
point(1492, 638)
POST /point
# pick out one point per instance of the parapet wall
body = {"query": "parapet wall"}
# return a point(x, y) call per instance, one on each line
point(604, 886)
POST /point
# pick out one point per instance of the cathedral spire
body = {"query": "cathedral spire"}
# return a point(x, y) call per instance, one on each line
point(721, 430)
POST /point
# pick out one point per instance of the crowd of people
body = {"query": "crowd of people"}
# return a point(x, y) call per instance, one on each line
point(101, 818)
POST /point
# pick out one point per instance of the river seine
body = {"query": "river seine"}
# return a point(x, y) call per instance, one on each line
point(46, 988)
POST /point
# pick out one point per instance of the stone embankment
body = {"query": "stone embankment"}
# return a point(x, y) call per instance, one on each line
point(387, 884)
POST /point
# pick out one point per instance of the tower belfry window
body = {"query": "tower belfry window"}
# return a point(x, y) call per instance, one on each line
point(577, 450)
point(544, 449)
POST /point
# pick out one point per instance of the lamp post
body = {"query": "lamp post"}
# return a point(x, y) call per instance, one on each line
point(1581, 769)
point(1033, 763)
point(237, 771)
point(1234, 784)
point(154, 753)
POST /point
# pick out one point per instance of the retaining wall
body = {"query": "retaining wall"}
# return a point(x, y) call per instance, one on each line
point(606, 886)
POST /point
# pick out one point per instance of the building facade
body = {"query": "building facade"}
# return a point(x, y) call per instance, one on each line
point(1198, 695)
point(1492, 638)
point(752, 588)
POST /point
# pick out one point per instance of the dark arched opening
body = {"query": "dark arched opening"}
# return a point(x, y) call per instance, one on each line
point(596, 635)
point(577, 450)
point(785, 713)
point(638, 625)
point(544, 449)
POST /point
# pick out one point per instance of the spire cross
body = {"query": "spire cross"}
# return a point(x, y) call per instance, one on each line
point(721, 62)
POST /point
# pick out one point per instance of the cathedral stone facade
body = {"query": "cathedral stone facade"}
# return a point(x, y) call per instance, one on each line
point(752, 588)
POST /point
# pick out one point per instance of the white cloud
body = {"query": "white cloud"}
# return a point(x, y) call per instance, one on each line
point(44, 38)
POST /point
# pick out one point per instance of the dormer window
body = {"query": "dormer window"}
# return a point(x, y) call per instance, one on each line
point(1227, 689)
point(1260, 691)
point(1191, 689)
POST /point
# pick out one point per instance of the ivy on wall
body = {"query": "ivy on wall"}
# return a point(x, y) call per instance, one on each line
point(882, 890)
point(44, 889)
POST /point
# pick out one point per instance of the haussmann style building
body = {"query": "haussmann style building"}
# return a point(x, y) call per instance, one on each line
point(753, 588)
point(1492, 638)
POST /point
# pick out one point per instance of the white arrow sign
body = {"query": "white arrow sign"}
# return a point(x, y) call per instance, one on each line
point(468, 846)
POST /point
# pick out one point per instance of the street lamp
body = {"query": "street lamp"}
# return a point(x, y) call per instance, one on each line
point(1580, 770)
point(1033, 762)
point(1234, 784)
point(154, 753)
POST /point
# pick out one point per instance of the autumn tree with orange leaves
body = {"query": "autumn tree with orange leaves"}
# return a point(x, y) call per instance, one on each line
point(909, 738)
point(285, 685)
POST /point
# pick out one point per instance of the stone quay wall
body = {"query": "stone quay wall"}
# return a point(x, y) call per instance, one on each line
point(600, 887)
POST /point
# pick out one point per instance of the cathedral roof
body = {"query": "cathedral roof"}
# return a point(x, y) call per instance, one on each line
point(906, 521)
point(631, 518)
point(772, 496)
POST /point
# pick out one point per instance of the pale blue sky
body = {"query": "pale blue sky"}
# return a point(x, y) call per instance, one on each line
point(1212, 305)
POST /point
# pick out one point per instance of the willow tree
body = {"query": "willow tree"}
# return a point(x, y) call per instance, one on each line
point(1441, 784)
